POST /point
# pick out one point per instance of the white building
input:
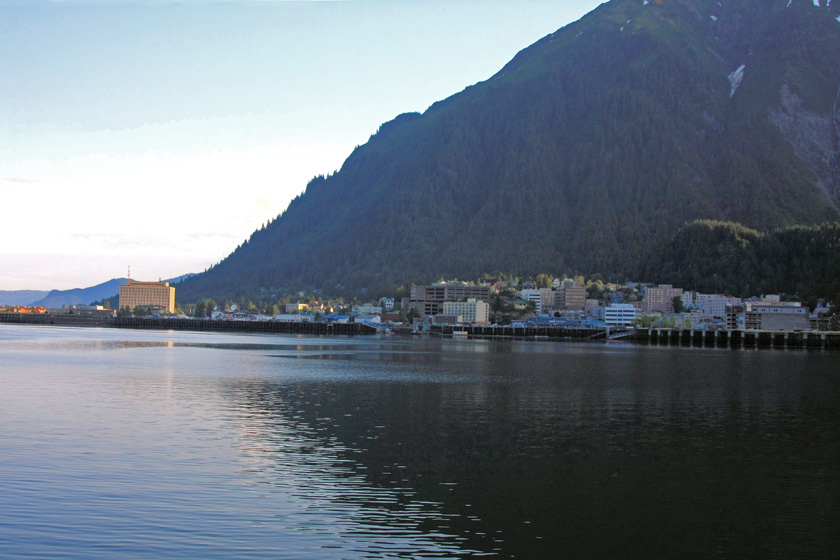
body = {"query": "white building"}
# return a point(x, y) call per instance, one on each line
point(535, 296)
point(714, 305)
point(619, 314)
point(472, 310)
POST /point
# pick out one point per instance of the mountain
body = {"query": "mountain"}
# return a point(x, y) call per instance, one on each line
point(109, 290)
point(586, 153)
point(82, 296)
point(20, 297)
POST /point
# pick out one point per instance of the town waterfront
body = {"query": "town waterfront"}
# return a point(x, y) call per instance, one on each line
point(155, 444)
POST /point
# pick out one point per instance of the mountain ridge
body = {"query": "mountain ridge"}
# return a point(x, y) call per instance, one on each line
point(584, 152)
point(21, 297)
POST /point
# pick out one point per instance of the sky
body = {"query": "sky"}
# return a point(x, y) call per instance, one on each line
point(159, 135)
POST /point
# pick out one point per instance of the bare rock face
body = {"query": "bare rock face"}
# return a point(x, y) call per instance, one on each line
point(815, 139)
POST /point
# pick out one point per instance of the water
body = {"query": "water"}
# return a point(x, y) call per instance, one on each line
point(193, 445)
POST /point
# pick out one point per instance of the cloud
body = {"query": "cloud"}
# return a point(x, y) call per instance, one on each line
point(22, 180)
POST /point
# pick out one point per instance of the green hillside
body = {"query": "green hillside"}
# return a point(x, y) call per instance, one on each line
point(585, 153)
point(724, 257)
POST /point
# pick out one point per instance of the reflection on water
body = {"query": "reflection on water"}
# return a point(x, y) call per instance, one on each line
point(204, 445)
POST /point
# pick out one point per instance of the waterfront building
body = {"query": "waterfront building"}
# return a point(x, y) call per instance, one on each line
point(472, 310)
point(368, 309)
point(776, 316)
point(447, 319)
point(535, 297)
point(28, 309)
point(571, 296)
point(294, 318)
point(392, 317)
point(548, 300)
point(429, 300)
point(619, 314)
point(95, 310)
point(714, 305)
point(337, 318)
point(661, 298)
point(735, 317)
point(155, 295)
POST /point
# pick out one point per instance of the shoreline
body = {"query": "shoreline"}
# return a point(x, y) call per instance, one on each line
point(734, 338)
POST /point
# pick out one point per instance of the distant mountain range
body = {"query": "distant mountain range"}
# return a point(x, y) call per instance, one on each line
point(82, 296)
point(20, 297)
point(586, 153)
point(77, 296)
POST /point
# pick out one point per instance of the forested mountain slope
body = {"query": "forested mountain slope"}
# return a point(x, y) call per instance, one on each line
point(585, 153)
point(723, 257)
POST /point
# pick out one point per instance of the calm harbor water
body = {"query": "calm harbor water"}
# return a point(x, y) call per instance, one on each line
point(195, 445)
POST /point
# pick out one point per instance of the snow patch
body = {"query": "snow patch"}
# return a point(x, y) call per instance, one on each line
point(646, 2)
point(714, 18)
point(817, 3)
point(735, 79)
point(838, 18)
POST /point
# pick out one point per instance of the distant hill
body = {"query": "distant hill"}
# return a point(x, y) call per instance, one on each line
point(586, 153)
point(77, 296)
point(82, 296)
point(20, 297)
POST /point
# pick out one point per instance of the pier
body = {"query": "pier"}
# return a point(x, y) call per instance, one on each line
point(199, 325)
point(528, 332)
point(738, 338)
point(723, 338)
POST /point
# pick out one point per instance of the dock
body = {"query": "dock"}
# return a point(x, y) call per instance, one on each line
point(738, 338)
point(723, 338)
point(198, 325)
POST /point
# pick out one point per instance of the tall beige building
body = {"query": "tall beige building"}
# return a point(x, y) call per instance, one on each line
point(472, 310)
point(148, 294)
point(661, 298)
point(428, 300)
point(571, 296)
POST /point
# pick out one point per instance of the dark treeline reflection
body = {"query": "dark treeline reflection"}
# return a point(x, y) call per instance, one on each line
point(535, 451)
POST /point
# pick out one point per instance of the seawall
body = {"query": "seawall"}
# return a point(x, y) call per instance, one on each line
point(200, 325)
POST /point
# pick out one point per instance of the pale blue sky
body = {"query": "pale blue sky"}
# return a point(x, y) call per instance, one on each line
point(214, 114)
